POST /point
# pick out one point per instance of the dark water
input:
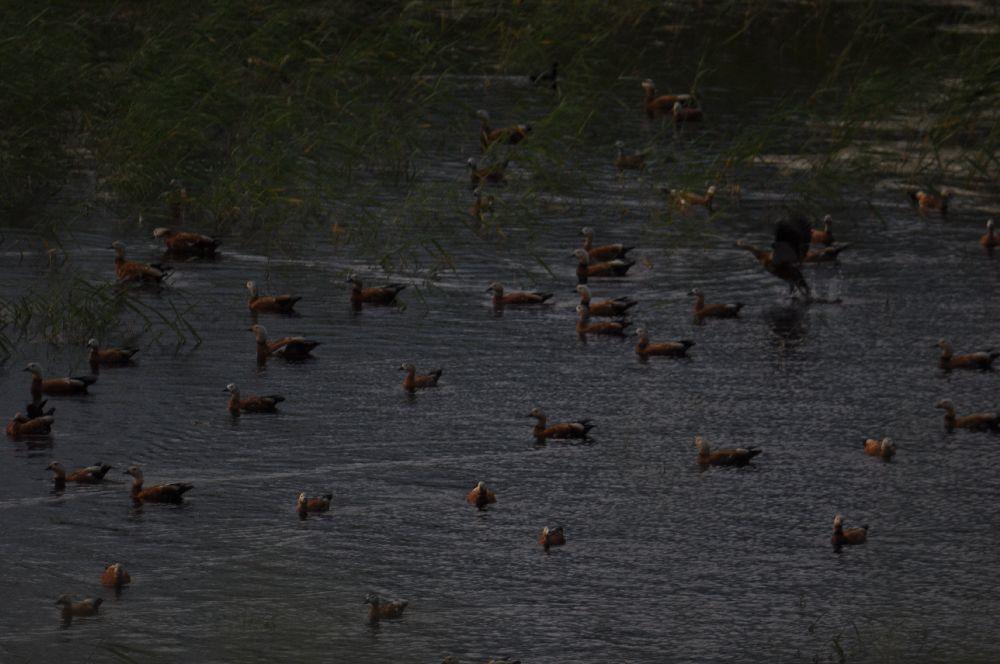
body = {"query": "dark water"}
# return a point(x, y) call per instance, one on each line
point(663, 562)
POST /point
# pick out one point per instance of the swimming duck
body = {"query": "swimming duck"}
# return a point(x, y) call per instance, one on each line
point(135, 271)
point(824, 255)
point(926, 201)
point(480, 496)
point(683, 113)
point(277, 304)
point(89, 475)
point(584, 326)
point(586, 269)
point(629, 162)
point(495, 173)
point(885, 449)
point(974, 422)
point(115, 576)
point(19, 425)
point(664, 348)
point(605, 252)
point(180, 243)
point(112, 357)
point(824, 236)
point(517, 297)
point(289, 348)
point(980, 360)
point(684, 199)
point(848, 536)
point(739, 456)
point(56, 386)
point(790, 246)
point(83, 609)
point(550, 537)
point(990, 239)
point(542, 432)
point(612, 308)
point(375, 295)
point(702, 310)
point(379, 607)
point(660, 104)
point(305, 505)
point(511, 135)
point(158, 493)
point(481, 205)
point(413, 382)
point(549, 77)
point(261, 404)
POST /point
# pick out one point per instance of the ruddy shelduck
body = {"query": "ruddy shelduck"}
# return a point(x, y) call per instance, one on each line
point(847, 536)
point(990, 240)
point(974, 422)
point(629, 162)
point(108, 357)
point(655, 104)
point(184, 244)
point(500, 299)
point(158, 493)
point(492, 174)
point(551, 536)
point(685, 199)
point(85, 608)
point(413, 382)
point(304, 505)
point(927, 201)
point(481, 496)
point(606, 328)
point(19, 425)
point(252, 404)
point(664, 348)
point(380, 607)
point(585, 269)
point(89, 475)
point(274, 304)
point(981, 360)
point(511, 135)
point(543, 431)
point(56, 386)
point(702, 310)
point(115, 576)
point(791, 244)
point(288, 348)
point(135, 271)
point(611, 308)
point(884, 449)
point(604, 252)
point(380, 295)
point(738, 456)
point(824, 236)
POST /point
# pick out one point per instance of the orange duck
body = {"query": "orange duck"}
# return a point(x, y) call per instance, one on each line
point(824, 236)
point(304, 505)
point(660, 104)
point(926, 201)
point(980, 360)
point(480, 496)
point(790, 246)
point(517, 297)
point(665, 348)
point(629, 162)
point(605, 252)
point(83, 609)
point(379, 607)
point(382, 295)
point(990, 240)
point(19, 425)
point(495, 173)
point(56, 386)
point(584, 326)
point(275, 304)
point(184, 244)
point(885, 449)
point(109, 357)
point(613, 308)
point(413, 382)
point(703, 311)
point(543, 431)
point(551, 537)
point(115, 576)
point(974, 422)
point(683, 113)
point(89, 475)
point(824, 255)
point(684, 199)
point(261, 404)
point(740, 456)
point(135, 271)
point(158, 493)
point(847, 536)
point(511, 135)
point(288, 348)
point(585, 269)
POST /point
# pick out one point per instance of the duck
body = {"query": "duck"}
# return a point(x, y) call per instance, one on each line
point(585, 269)
point(610, 328)
point(379, 607)
point(19, 425)
point(481, 496)
point(158, 493)
point(56, 386)
point(495, 173)
point(683, 199)
point(824, 236)
point(824, 255)
point(517, 297)
point(551, 536)
point(89, 475)
point(926, 201)
point(740, 456)
point(612, 308)
point(382, 295)
point(790, 246)
point(288, 348)
point(181, 243)
point(511, 135)
point(481, 205)
point(135, 271)
point(412, 382)
point(702, 310)
point(85, 608)
point(115, 576)
point(543, 431)
point(109, 357)
point(981, 360)
point(629, 162)
point(660, 104)
point(974, 422)
point(254, 404)
point(605, 252)
point(664, 348)
point(990, 239)
point(548, 77)
point(683, 113)
point(275, 304)
point(304, 505)
point(847, 536)
point(885, 449)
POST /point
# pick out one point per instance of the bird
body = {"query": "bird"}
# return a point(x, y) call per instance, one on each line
point(542, 431)
point(551, 536)
point(115, 576)
point(288, 348)
point(135, 271)
point(885, 449)
point(629, 162)
point(683, 113)
point(974, 422)
point(56, 386)
point(684, 199)
point(379, 607)
point(824, 255)
point(481, 496)
point(517, 297)
point(252, 404)
point(279, 304)
point(607, 328)
point(85, 608)
point(511, 135)
point(660, 104)
point(948, 360)
point(495, 173)
point(109, 357)
point(158, 493)
point(304, 505)
point(824, 236)
point(702, 310)
point(847, 536)
point(89, 475)
point(612, 308)
point(184, 244)
point(790, 246)
point(548, 77)
point(585, 269)
point(926, 201)
point(382, 295)
point(665, 348)
point(481, 206)
point(602, 253)
point(740, 456)
point(412, 382)
point(990, 239)
point(19, 425)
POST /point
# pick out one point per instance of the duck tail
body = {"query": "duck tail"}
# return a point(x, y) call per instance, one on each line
point(328, 496)
point(437, 374)
point(687, 343)
point(276, 398)
point(89, 379)
point(545, 296)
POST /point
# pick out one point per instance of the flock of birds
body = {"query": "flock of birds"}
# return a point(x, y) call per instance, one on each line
point(795, 243)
